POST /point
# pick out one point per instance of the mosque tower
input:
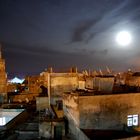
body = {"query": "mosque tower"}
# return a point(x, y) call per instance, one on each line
point(3, 75)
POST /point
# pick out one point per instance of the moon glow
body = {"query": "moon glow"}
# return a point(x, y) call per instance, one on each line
point(123, 38)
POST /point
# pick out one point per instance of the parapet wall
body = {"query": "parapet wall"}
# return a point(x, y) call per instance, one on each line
point(23, 97)
point(60, 84)
point(102, 111)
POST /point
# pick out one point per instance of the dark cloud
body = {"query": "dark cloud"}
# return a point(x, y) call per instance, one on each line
point(124, 11)
point(103, 52)
point(128, 10)
point(81, 28)
point(103, 18)
point(30, 50)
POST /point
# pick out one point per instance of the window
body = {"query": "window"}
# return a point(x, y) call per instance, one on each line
point(132, 120)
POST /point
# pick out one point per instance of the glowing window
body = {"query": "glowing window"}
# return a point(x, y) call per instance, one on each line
point(132, 120)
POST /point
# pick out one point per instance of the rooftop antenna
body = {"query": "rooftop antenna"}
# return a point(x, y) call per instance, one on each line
point(100, 71)
point(108, 70)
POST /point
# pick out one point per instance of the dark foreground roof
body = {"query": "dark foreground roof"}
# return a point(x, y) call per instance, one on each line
point(136, 74)
point(108, 134)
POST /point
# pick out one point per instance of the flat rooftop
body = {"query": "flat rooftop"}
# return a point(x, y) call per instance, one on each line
point(6, 115)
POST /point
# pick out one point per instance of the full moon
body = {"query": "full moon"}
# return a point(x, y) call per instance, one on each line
point(123, 38)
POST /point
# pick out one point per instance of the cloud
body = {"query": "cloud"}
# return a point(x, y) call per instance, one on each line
point(97, 24)
point(29, 50)
point(121, 12)
point(104, 52)
point(94, 52)
point(81, 28)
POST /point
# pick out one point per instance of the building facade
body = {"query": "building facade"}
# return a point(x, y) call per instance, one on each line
point(3, 75)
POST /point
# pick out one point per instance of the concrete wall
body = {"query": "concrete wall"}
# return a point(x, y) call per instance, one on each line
point(34, 83)
point(71, 107)
point(3, 77)
point(103, 84)
point(60, 83)
point(81, 84)
point(11, 87)
point(42, 103)
point(3, 98)
point(133, 81)
point(47, 129)
point(75, 132)
point(89, 83)
point(102, 111)
point(22, 97)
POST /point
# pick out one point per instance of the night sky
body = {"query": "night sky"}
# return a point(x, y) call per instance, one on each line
point(37, 34)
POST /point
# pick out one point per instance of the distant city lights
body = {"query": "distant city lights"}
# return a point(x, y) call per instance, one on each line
point(16, 80)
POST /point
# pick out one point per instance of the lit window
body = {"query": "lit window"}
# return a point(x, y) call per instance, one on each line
point(132, 120)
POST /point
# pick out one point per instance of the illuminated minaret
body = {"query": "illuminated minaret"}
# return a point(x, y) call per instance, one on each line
point(3, 75)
